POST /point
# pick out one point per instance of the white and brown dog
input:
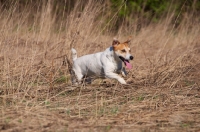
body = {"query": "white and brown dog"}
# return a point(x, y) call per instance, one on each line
point(103, 64)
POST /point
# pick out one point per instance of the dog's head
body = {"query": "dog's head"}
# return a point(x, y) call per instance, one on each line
point(123, 51)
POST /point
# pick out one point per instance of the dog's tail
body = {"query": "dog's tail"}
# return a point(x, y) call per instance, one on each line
point(74, 54)
point(70, 67)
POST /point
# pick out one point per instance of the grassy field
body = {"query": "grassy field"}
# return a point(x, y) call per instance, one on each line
point(35, 89)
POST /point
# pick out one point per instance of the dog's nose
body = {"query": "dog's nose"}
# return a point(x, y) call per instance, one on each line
point(131, 57)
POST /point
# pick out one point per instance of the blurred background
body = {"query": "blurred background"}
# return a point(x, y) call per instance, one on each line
point(35, 88)
point(132, 14)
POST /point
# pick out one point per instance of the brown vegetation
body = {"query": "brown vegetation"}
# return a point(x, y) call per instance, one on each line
point(35, 89)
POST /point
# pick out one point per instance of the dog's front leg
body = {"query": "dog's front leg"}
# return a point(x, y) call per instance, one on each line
point(124, 73)
point(115, 76)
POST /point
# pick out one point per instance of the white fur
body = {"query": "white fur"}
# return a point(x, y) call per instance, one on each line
point(102, 64)
point(74, 54)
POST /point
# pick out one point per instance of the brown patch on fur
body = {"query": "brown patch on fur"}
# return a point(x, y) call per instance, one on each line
point(120, 46)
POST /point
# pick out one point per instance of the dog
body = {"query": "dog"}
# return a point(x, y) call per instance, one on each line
point(106, 64)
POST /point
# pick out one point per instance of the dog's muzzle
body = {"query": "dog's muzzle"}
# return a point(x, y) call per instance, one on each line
point(126, 62)
point(123, 59)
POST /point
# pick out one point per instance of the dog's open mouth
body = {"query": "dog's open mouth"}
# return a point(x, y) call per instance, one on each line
point(126, 62)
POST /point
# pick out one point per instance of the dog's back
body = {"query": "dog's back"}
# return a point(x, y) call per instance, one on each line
point(88, 65)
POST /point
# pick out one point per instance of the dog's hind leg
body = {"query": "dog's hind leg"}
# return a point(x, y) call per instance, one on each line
point(79, 76)
point(88, 80)
point(77, 79)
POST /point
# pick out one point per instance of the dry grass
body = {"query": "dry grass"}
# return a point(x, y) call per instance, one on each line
point(36, 94)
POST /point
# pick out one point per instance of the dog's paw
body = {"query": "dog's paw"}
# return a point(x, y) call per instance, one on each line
point(122, 81)
point(75, 83)
point(123, 72)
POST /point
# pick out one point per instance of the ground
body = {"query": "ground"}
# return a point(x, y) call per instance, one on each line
point(159, 97)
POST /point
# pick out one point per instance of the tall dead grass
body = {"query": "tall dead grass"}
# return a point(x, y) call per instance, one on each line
point(35, 84)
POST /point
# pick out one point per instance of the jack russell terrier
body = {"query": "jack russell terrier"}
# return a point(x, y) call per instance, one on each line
point(103, 64)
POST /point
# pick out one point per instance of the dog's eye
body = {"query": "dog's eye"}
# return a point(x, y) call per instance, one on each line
point(123, 50)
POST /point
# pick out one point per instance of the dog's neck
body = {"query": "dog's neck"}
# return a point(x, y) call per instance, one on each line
point(114, 56)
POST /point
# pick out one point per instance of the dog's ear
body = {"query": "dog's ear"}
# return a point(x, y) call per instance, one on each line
point(115, 42)
point(129, 40)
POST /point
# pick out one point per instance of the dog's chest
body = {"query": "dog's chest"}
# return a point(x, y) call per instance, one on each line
point(115, 65)
point(118, 67)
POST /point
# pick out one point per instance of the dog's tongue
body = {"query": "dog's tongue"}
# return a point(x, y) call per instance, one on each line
point(128, 65)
